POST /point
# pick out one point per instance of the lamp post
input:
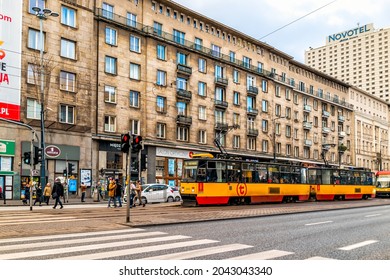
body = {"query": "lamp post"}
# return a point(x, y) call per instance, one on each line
point(274, 134)
point(42, 14)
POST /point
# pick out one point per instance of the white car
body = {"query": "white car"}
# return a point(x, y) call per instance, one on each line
point(158, 193)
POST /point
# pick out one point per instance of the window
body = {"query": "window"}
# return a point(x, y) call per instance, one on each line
point(288, 113)
point(219, 71)
point(109, 94)
point(108, 11)
point(67, 81)
point(220, 94)
point(264, 146)
point(288, 149)
point(277, 91)
point(135, 44)
point(161, 52)
point(264, 85)
point(198, 44)
point(181, 83)
point(296, 151)
point(236, 98)
point(66, 114)
point(134, 98)
point(161, 78)
point(236, 142)
point(181, 58)
point(264, 106)
point(250, 103)
point(232, 56)
point(68, 16)
point(246, 62)
point(288, 131)
point(182, 133)
point(178, 36)
point(68, 49)
point(278, 110)
point(161, 104)
point(202, 136)
point(131, 19)
point(264, 125)
point(135, 127)
point(251, 122)
point(109, 123)
point(202, 88)
point(260, 67)
point(135, 71)
point(110, 65)
point(202, 65)
point(236, 76)
point(202, 113)
point(32, 73)
point(111, 36)
point(157, 28)
point(236, 119)
point(181, 108)
point(35, 3)
point(160, 130)
point(288, 94)
point(252, 143)
point(33, 109)
point(215, 50)
point(34, 41)
point(250, 81)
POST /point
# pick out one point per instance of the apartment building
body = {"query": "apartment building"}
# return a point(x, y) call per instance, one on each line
point(179, 79)
point(358, 56)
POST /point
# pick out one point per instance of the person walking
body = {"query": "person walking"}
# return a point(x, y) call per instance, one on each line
point(118, 193)
point(26, 200)
point(38, 195)
point(58, 191)
point(138, 190)
point(47, 193)
point(111, 192)
point(83, 188)
point(99, 190)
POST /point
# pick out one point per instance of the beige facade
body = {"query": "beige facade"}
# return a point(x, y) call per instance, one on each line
point(180, 80)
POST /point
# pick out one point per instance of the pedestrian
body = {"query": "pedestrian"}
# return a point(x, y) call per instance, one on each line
point(118, 193)
point(47, 193)
point(83, 188)
point(26, 200)
point(58, 191)
point(38, 195)
point(138, 190)
point(111, 192)
point(99, 190)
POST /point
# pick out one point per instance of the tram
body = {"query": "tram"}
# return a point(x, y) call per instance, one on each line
point(382, 187)
point(217, 181)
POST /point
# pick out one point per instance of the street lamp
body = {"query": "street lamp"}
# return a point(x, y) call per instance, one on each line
point(42, 14)
point(274, 134)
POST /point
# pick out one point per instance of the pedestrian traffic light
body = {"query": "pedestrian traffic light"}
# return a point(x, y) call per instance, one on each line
point(136, 145)
point(27, 158)
point(71, 169)
point(65, 172)
point(125, 143)
point(37, 155)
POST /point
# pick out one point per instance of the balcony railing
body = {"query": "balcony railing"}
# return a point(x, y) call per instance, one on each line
point(326, 130)
point(252, 111)
point(308, 142)
point(184, 94)
point(184, 69)
point(307, 125)
point(252, 90)
point(253, 132)
point(342, 134)
point(325, 114)
point(184, 120)
point(221, 104)
point(221, 126)
point(307, 108)
point(341, 119)
point(221, 81)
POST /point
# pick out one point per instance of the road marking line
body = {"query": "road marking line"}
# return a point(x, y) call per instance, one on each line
point(79, 241)
point(68, 235)
point(319, 223)
point(119, 253)
point(63, 219)
point(319, 258)
point(200, 252)
point(372, 215)
point(48, 252)
point(358, 245)
point(266, 255)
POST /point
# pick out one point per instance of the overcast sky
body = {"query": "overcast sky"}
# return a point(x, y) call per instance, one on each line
point(258, 18)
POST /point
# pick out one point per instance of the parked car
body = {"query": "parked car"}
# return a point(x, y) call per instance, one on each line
point(158, 193)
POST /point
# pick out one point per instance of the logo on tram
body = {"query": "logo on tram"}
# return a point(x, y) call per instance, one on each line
point(241, 189)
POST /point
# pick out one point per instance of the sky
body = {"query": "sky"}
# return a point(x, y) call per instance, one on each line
point(306, 23)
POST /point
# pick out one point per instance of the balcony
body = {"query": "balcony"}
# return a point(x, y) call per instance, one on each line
point(184, 69)
point(221, 126)
point(325, 130)
point(221, 81)
point(307, 125)
point(307, 108)
point(341, 119)
point(325, 114)
point(184, 94)
point(253, 132)
point(221, 104)
point(183, 120)
point(252, 111)
point(342, 134)
point(308, 143)
point(252, 90)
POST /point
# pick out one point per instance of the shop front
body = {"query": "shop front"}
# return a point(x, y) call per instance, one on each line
point(7, 155)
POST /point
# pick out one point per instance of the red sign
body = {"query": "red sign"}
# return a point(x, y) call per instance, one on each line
point(52, 151)
point(190, 154)
point(9, 111)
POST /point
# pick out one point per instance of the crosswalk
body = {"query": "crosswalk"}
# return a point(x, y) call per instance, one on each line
point(140, 244)
point(24, 218)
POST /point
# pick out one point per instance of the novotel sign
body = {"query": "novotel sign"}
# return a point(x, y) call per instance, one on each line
point(346, 35)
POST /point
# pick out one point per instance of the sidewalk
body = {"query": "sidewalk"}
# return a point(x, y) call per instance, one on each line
point(71, 201)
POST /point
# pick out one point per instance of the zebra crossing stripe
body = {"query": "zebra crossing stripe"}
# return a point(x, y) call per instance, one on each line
point(79, 241)
point(200, 252)
point(266, 255)
point(319, 258)
point(358, 245)
point(52, 220)
point(97, 246)
point(133, 251)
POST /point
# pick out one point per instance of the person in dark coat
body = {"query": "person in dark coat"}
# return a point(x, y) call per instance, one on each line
point(58, 191)
point(118, 193)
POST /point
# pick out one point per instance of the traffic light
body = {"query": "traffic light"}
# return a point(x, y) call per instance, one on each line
point(136, 145)
point(27, 158)
point(65, 172)
point(125, 143)
point(71, 169)
point(144, 162)
point(37, 155)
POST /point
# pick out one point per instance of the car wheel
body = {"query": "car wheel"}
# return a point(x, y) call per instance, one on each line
point(177, 198)
point(170, 199)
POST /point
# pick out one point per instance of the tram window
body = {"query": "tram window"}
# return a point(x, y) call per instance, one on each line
point(314, 176)
point(273, 174)
point(326, 175)
point(233, 172)
point(262, 173)
point(201, 175)
point(249, 173)
point(190, 168)
point(216, 171)
point(358, 179)
point(343, 177)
